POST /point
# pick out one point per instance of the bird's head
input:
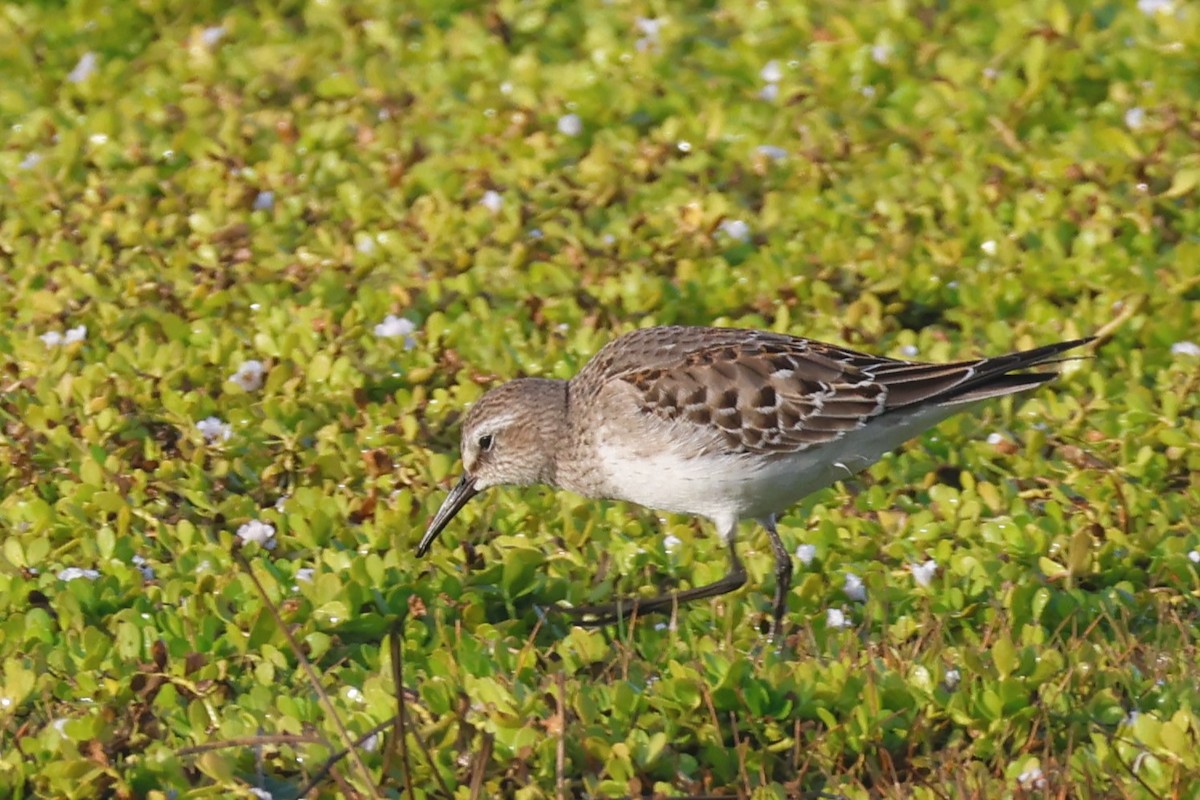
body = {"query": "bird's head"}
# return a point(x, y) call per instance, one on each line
point(509, 438)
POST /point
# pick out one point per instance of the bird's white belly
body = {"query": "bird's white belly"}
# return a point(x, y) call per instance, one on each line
point(718, 487)
point(722, 487)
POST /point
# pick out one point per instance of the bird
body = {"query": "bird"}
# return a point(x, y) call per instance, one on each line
point(726, 424)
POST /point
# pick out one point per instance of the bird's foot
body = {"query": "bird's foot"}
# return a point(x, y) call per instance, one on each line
point(629, 608)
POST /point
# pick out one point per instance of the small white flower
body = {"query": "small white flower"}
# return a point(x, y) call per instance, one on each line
point(1186, 348)
point(354, 693)
point(771, 151)
point(365, 245)
point(1135, 118)
point(991, 73)
point(736, 229)
point(305, 574)
point(1194, 556)
point(952, 678)
point(805, 553)
point(371, 743)
point(854, 588)
point(493, 201)
point(989, 247)
point(536, 234)
point(5, 701)
point(506, 87)
point(259, 532)
point(770, 92)
point(995, 437)
point(570, 125)
point(212, 34)
point(881, 53)
point(214, 430)
point(771, 72)
point(60, 725)
point(30, 161)
point(671, 542)
point(684, 146)
point(1152, 7)
point(649, 28)
point(249, 375)
point(264, 201)
point(71, 336)
point(393, 326)
point(923, 573)
point(836, 618)
point(83, 68)
point(910, 351)
point(867, 91)
point(1032, 778)
point(74, 573)
point(146, 570)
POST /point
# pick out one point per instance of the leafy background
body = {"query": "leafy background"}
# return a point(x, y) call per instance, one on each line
point(209, 184)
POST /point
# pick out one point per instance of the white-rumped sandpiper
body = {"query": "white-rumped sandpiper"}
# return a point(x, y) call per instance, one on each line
point(723, 423)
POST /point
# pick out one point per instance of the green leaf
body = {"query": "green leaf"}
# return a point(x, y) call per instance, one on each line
point(1184, 182)
point(263, 629)
point(1147, 729)
point(1079, 552)
point(16, 683)
point(1004, 656)
point(1041, 598)
point(1051, 569)
point(1033, 59)
point(337, 84)
point(13, 552)
point(1176, 740)
point(319, 367)
point(520, 568)
point(129, 640)
point(490, 691)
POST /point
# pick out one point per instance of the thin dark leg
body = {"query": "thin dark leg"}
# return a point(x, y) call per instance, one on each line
point(783, 576)
point(608, 613)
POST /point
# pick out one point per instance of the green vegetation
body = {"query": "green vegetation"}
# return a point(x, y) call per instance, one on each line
point(205, 185)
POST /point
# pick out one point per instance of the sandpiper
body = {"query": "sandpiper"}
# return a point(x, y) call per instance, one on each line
point(723, 423)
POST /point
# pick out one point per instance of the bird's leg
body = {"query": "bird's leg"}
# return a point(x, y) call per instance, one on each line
point(783, 576)
point(608, 613)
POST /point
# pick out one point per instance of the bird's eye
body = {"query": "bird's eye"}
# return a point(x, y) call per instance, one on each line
point(486, 441)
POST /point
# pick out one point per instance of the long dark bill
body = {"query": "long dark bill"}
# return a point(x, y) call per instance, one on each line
point(463, 491)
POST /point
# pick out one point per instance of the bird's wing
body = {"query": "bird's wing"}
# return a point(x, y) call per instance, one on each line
point(753, 392)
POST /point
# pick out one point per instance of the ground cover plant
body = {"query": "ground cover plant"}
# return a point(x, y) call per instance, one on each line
point(256, 258)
